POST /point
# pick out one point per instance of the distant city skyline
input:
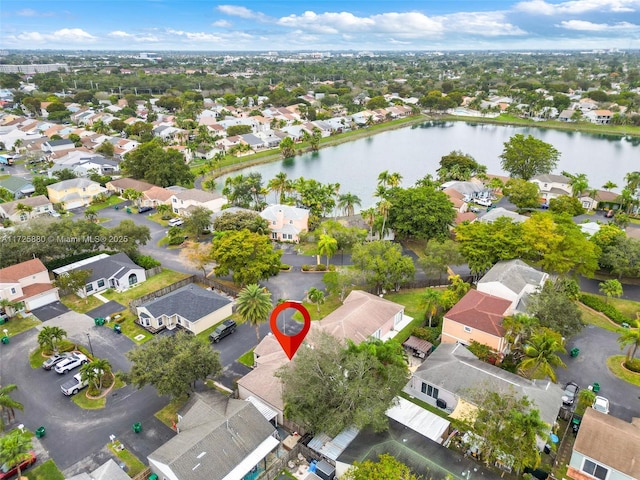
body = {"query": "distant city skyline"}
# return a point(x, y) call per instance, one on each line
point(373, 25)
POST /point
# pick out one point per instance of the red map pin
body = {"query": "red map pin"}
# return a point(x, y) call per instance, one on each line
point(290, 343)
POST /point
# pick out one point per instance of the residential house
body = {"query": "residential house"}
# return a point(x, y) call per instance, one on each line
point(107, 271)
point(52, 146)
point(193, 197)
point(477, 316)
point(109, 470)
point(74, 193)
point(121, 184)
point(495, 213)
point(468, 189)
point(40, 205)
point(603, 199)
point(219, 438)
point(190, 307)
point(28, 282)
point(451, 375)
point(512, 280)
point(286, 222)
point(17, 186)
point(599, 117)
point(84, 164)
point(156, 196)
point(552, 186)
point(458, 200)
point(566, 116)
point(606, 448)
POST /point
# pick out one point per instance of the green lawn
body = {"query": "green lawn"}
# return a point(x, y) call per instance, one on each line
point(166, 277)
point(19, 324)
point(80, 305)
point(169, 413)
point(134, 465)
point(411, 299)
point(247, 358)
point(46, 471)
point(425, 405)
point(81, 400)
point(614, 365)
point(113, 200)
point(131, 329)
point(597, 319)
point(628, 308)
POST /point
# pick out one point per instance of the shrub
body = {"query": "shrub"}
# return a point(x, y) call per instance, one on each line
point(146, 262)
point(426, 333)
point(633, 364)
point(306, 267)
point(321, 268)
point(332, 268)
point(285, 267)
point(609, 310)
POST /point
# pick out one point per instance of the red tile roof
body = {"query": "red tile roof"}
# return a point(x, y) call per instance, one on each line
point(35, 289)
point(480, 311)
point(15, 272)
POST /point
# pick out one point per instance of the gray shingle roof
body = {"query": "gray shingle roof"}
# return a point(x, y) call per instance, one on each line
point(116, 266)
point(14, 184)
point(72, 183)
point(551, 178)
point(513, 274)
point(190, 302)
point(215, 437)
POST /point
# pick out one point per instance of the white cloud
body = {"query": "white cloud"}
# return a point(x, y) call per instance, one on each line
point(487, 24)
point(541, 7)
point(65, 35)
point(221, 24)
point(584, 26)
point(136, 37)
point(120, 34)
point(242, 12)
point(27, 12)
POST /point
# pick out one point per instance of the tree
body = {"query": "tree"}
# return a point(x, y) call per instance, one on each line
point(523, 194)
point(630, 337)
point(555, 310)
point(316, 296)
point(164, 210)
point(329, 387)
point(240, 220)
point(24, 209)
point(383, 265)
point(197, 254)
point(566, 204)
point(541, 354)
point(8, 405)
point(340, 282)
point(386, 468)
point(431, 300)
point(197, 221)
point(151, 163)
point(609, 186)
point(74, 281)
point(420, 212)
point(254, 306)
point(279, 185)
point(91, 215)
point(173, 364)
point(459, 166)
point(579, 182)
point(439, 255)
point(95, 371)
point(327, 245)
point(132, 194)
point(287, 147)
point(50, 337)
point(106, 148)
point(507, 428)
point(611, 288)
point(518, 329)
point(250, 256)
point(15, 448)
point(347, 202)
point(525, 157)
point(128, 237)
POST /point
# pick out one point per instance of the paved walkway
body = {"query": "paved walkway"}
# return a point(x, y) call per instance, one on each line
point(101, 298)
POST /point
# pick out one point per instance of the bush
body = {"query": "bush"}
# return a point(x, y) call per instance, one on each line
point(426, 333)
point(609, 310)
point(332, 268)
point(321, 268)
point(285, 267)
point(306, 267)
point(146, 262)
point(633, 364)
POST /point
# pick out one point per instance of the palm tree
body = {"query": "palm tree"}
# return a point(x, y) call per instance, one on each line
point(347, 203)
point(611, 288)
point(625, 199)
point(315, 139)
point(518, 328)
point(278, 185)
point(164, 210)
point(383, 179)
point(17, 144)
point(254, 305)
point(8, 306)
point(495, 184)
point(395, 179)
point(316, 296)
point(15, 448)
point(369, 216)
point(609, 186)
point(579, 183)
point(8, 405)
point(91, 215)
point(383, 208)
point(630, 337)
point(101, 127)
point(50, 337)
point(22, 208)
point(430, 301)
point(541, 354)
point(327, 245)
point(633, 181)
point(95, 370)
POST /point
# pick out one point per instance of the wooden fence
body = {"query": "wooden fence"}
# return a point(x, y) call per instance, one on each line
point(159, 293)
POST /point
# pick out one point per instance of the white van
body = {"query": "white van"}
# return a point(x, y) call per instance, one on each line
point(175, 222)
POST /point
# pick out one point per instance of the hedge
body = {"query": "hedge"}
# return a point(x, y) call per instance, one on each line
point(609, 310)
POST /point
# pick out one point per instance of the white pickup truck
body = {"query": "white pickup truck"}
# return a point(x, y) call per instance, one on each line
point(74, 385)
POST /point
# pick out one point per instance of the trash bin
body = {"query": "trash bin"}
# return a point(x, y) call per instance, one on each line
point(2, 320)
point(128, 210)
point(153, 476)
point(117, 328)
point(137, 427)
point(99, 321)
point(40, 431)
point(116, 207)
point(5, 340)
point(596, 387)
point(574, 352)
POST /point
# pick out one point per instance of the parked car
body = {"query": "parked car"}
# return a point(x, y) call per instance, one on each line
point(144, 209)
point(73, 361)
point(7, 471)
point(53, 360)
point(224, 329)
point(485, 202)
point(4, 316)
point(54, 214)
point(474, 209)
point(601, 404)
point(570, 393)
point(74, 385)
point(175, 222)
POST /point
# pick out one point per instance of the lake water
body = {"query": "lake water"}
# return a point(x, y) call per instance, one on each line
point(416, 151)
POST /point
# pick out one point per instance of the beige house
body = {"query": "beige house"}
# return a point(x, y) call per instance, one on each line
point(477, 316)
point(74, 193)
point(286, 222)
point(156, 196)
point(191, 307)
point(28, 282)
point(40, 205)
point(181, 201)
point(552, 186)
point(121, 184)
point(606, 448)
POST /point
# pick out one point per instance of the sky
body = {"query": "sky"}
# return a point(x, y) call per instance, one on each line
point(360, 25)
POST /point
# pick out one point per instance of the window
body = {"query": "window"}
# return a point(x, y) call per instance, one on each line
point(274, 235)
point(89, 288)
point(594, 469)
point(101, 283)
point(467, 329)
point(13, 291)
point(23, 217)
point(290, 222)
point(430, 390)
point(160, 321)
point(133, 279)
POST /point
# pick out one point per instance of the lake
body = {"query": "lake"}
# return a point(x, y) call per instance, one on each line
point(416, 151)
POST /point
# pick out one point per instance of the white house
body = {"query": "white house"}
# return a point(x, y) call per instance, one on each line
point(193, 197)
point(552, 186)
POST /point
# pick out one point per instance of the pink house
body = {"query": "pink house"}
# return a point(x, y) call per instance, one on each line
point(27, 282)
point(286, 222)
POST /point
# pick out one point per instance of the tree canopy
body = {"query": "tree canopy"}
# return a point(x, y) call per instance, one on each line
point(173, 364)
point(241, 220)
point(555, 309)
point(329, 387)
point(150, 162)
point(522, 194)
point(386, 468)
point(459, 166)
point(525, 157)
point(383, 265)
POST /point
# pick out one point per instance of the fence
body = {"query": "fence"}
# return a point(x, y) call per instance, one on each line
point(153, 271)
point(159, 293)
point(143, 475)
point(282, 463)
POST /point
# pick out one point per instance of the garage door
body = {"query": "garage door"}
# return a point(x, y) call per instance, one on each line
point(72, 205)
point(41, 301)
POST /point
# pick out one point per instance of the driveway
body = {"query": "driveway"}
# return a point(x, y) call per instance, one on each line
point(596, 345)
point(71, 432)
point(106, 309)
point(50, 311)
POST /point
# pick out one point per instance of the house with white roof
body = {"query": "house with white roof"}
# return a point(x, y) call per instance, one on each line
point(286, 222)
